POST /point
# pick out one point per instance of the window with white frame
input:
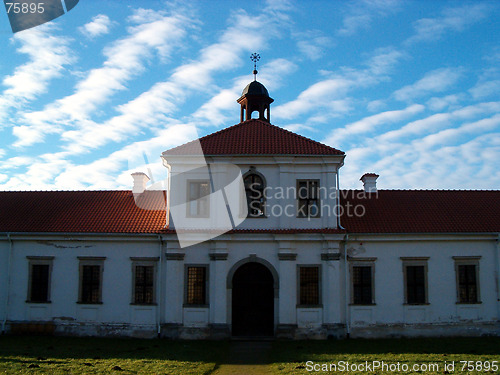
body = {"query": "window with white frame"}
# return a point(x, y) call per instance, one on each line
point(254, 190)
point(91, 271)
point(467, 279)
point(198, 204)
point(196, 285)
point(308, 200)
point(144, 280)
point(309, 285)
point(40, 270)
point(362, 281)
point(415, 280)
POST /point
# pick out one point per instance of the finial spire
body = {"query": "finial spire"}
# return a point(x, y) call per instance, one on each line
point(255, 57)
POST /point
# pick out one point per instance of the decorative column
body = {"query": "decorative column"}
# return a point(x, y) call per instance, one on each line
point(332, 301)
point(174, 291)
point(287, 319)
point(218, 290)
point(286, 179)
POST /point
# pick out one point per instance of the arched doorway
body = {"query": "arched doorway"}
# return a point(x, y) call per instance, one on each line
point(253, 301)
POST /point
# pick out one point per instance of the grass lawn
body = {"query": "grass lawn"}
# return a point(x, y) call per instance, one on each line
point(61, 355)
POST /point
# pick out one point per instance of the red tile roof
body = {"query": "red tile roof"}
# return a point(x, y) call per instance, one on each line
point(422, 211)
point(254, 137)
point(81, 212)
point(388, 211)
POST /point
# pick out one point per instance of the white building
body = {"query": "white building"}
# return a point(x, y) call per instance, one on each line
point(381, 263)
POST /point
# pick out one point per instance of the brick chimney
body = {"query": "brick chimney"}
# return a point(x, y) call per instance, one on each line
point(140, 181)
point(369, 182)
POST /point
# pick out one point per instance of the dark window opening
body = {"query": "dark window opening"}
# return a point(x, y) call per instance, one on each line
point(196, 285)
point(362, 285)
point(309, 286)
point(254, 189)
point(415, 284)
point(467, 283)
point(91, 279)
point(144, 285)
point(39, 283)
point(308, 198)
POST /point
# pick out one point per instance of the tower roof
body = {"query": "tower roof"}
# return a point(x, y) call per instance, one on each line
point(254, 137)
point(255, 88)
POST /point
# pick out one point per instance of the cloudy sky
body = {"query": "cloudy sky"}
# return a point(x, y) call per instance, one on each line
point(408, 89)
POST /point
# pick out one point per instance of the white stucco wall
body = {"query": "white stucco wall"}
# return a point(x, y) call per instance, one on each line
point(389, 315)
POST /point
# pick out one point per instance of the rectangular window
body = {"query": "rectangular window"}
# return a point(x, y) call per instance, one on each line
point(308, 202)
point(309, 293)
point(144, 280)
point(198, 198)
point(467, 285)
point(144, 285)
point(362, 285)
point(415, 284)
point(39, 279)
point(91, 269)
point(415, 279)
point(196, 285)
point(467, 274)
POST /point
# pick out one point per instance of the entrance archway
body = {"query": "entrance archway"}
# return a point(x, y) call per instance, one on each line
point(252, 300)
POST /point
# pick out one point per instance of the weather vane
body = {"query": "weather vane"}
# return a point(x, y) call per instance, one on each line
point(255, 57)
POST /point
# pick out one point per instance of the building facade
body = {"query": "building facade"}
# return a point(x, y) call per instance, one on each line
point(305, 260)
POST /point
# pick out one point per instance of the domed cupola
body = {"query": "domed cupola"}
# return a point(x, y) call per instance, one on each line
point(255, 98)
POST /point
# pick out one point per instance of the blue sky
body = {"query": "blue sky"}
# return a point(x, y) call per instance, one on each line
point(408, 89)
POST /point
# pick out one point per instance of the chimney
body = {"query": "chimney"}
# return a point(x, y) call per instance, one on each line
point(140, 181)
point(369, 182)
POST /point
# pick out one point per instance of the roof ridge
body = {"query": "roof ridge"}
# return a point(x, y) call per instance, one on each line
point(299, 135)
point(259, 121)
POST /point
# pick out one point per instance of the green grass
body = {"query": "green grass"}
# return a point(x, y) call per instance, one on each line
point(291, 357)
point(62, 355)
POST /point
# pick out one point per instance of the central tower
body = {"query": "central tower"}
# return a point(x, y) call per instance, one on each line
point(255, 98)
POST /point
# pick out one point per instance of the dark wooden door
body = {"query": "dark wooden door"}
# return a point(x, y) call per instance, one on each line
point(253, 301)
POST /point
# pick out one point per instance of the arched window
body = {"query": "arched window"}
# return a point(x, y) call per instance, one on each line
point(254, 189)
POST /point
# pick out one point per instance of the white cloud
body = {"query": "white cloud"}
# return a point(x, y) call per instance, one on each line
point(452, 19)
point(313, 44)
point(361, 13)
point(99, 25)
point(369, 124)
point(48, 54)
point(440, 120)
point(320, 94)
point(329, 96)
point(439, 103)
point(434, 81)
point(125, 60)
point(484, 89)
point(152, 108)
